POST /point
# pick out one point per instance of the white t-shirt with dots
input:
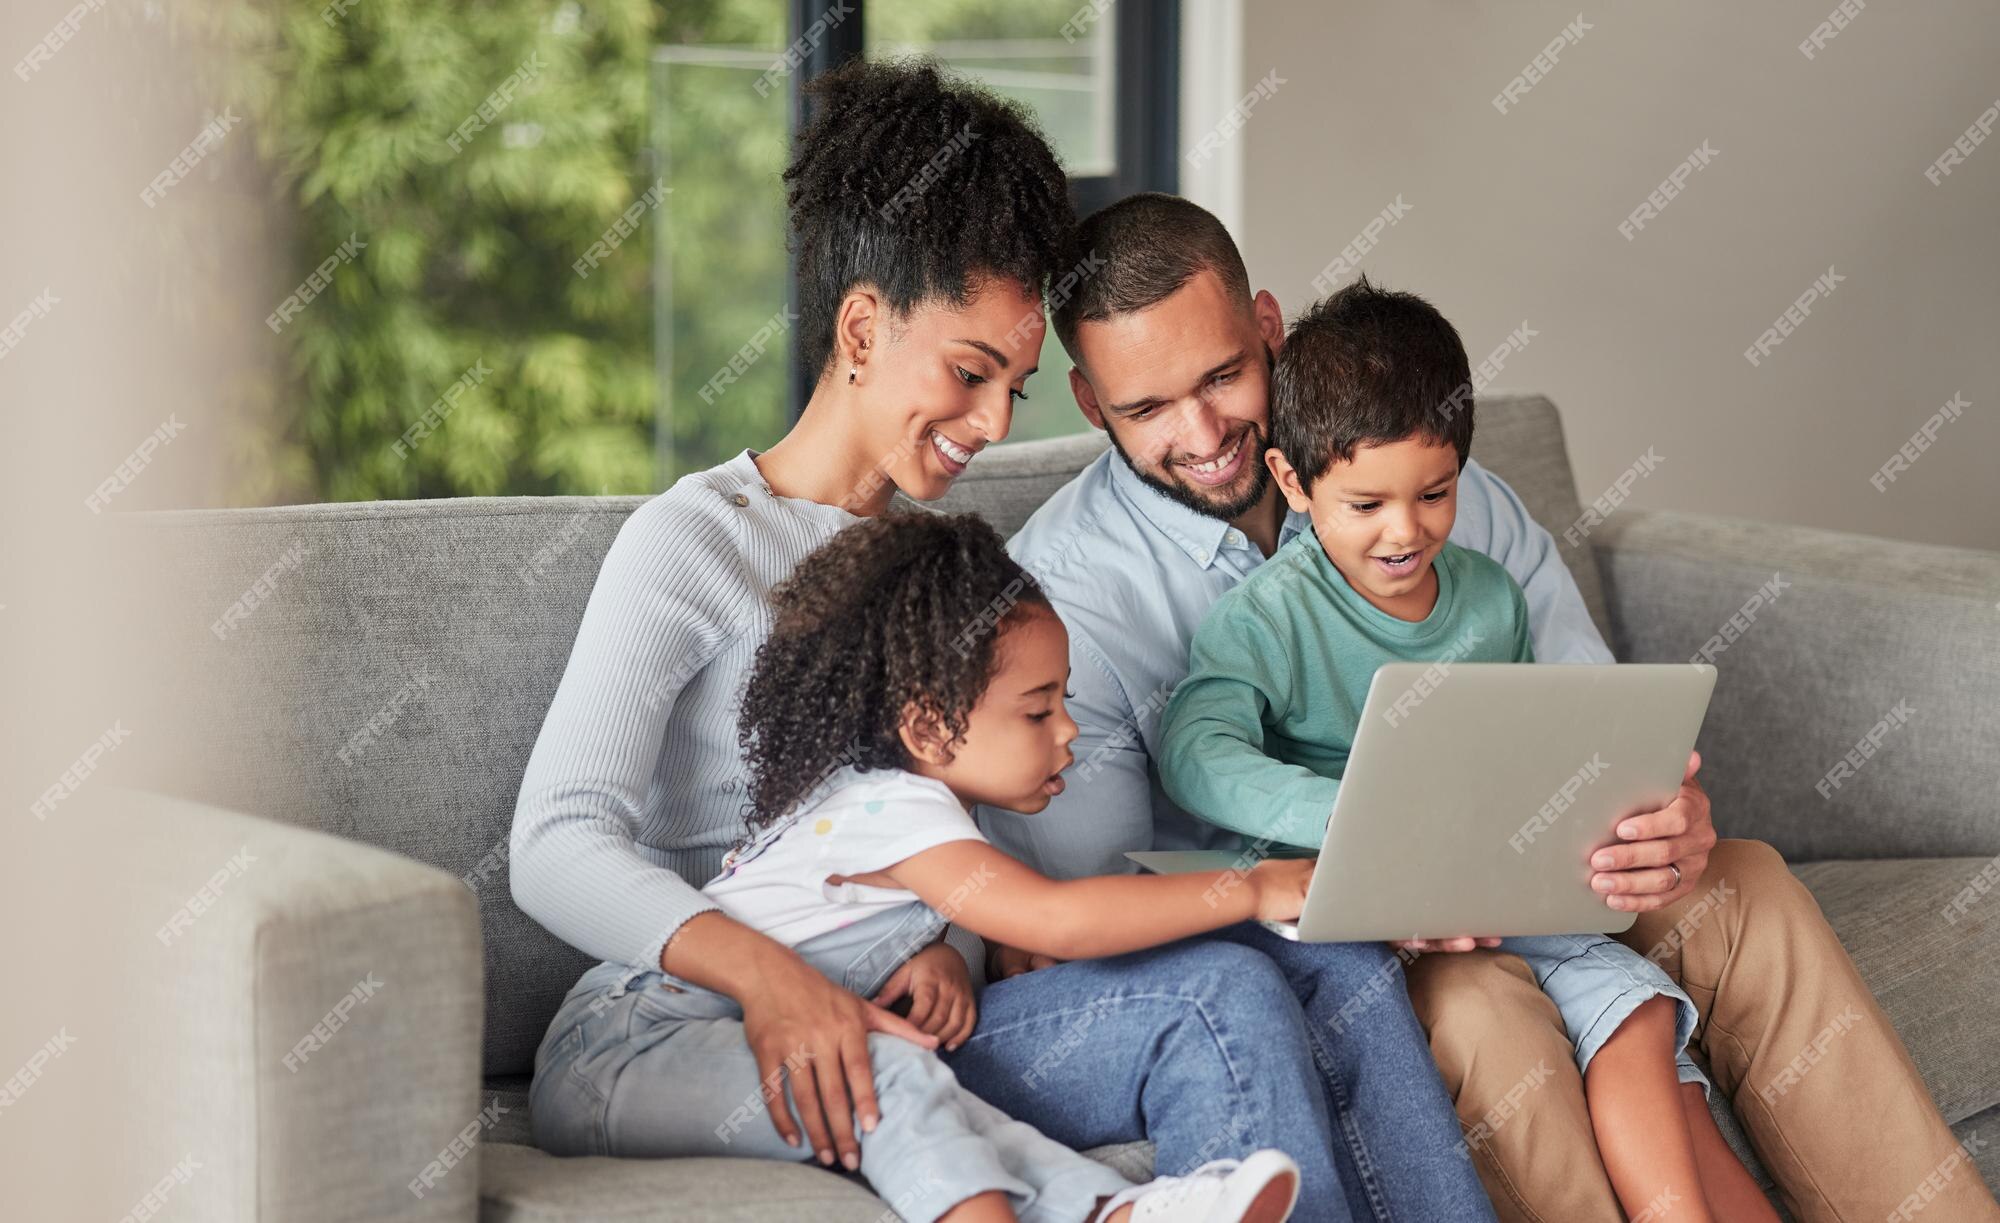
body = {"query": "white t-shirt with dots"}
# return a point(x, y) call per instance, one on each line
point(854, 823)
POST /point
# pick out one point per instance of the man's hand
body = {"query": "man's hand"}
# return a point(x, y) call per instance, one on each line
point(1003, 961)
point(939, 988)
point(1634, 877)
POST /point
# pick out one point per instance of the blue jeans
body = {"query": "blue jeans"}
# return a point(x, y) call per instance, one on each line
point(1197, 1045)
point(1402, 1153)
point(1216, 1046)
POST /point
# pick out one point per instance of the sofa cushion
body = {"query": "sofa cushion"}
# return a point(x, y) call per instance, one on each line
point(519, 1184)
point(393, 668)
point(1856, 682)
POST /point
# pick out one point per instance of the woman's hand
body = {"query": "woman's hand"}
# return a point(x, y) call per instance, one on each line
point(806, 1030)
point(1280, 885)
point(803, 1029)
point(939, 987)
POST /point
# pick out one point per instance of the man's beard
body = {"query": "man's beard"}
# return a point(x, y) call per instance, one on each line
point(1228, 511)
point(1231, 510)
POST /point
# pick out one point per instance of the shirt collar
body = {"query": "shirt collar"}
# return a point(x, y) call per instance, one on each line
point(1296, 523)
point(1200, 535)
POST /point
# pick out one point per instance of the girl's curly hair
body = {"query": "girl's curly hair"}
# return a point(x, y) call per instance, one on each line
point(896, 611)
point(915, 182)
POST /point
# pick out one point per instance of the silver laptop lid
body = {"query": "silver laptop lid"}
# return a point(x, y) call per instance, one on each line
point(1476, 793)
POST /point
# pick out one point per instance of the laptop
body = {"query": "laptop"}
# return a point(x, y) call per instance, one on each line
point(1476, 793)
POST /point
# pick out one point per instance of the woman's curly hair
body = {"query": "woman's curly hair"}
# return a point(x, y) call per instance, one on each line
point(898, 611)
point(918, 184)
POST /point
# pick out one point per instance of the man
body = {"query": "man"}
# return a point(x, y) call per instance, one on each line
point(1172, 356)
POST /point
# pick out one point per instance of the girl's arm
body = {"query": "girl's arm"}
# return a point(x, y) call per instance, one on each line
point(998, 898)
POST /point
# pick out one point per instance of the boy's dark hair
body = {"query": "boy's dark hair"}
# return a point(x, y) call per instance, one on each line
point(896, 611)
point(1365, 367)
point(918, 184)
point(1149, 245)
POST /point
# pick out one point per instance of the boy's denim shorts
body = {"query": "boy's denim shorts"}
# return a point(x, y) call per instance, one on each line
point(1596, 982)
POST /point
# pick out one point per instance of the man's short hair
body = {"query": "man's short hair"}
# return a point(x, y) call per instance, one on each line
point(1368, 366)
point(1149, 245)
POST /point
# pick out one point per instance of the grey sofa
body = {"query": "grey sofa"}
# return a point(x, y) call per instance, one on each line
point(362, 726)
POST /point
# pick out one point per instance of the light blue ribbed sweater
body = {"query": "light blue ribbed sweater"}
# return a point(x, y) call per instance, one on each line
point(636, 787)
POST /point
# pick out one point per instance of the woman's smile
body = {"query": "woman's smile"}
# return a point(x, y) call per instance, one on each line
point(953, 456)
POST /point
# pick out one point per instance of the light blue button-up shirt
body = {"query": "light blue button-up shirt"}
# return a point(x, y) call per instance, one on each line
point(1132, 572)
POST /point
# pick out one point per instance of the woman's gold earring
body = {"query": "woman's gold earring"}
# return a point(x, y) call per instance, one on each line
point(852, 370)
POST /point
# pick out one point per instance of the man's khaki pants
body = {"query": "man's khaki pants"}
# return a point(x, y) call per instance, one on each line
point(1789, 1033)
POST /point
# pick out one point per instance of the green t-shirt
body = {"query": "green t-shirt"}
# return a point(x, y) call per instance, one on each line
point(1257, 736)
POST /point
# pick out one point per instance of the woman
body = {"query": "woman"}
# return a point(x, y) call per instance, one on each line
point(927, 218)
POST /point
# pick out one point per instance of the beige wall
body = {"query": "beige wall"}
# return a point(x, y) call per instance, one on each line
point(1514, 217)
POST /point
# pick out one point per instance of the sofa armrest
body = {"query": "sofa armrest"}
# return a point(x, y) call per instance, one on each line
point(307, 1016)
point(1859, 678)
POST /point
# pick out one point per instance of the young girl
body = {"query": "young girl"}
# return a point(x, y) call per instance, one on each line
point(913, 670)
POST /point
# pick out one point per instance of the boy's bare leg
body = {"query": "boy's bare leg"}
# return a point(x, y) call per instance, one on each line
point(1732, 1192)
point(991, 1207)
point(1636, 1111)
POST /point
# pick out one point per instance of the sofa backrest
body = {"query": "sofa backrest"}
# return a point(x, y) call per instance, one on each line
point(387, 665)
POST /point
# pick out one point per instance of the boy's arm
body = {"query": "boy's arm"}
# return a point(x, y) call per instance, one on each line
point(1212, 759)
point(1524, 639)
point(1492, 520)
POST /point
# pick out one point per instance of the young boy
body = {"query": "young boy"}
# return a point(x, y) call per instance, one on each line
point(1370, 428)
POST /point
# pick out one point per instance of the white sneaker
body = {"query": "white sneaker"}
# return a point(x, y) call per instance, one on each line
point(1260, 1189)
